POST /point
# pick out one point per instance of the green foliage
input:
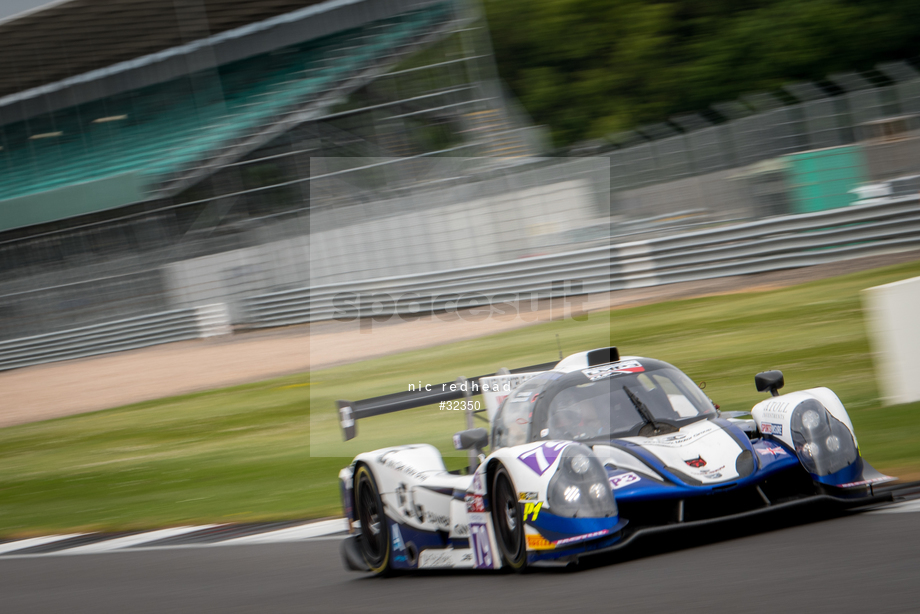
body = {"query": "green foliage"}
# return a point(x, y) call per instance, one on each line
point(591, 67)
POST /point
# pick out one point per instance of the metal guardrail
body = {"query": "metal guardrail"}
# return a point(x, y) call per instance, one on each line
point(115, 336)
point(754, 247)
point(765, 245)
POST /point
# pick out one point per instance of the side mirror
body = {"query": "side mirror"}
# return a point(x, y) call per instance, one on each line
point(769, 380)
point(473, 439)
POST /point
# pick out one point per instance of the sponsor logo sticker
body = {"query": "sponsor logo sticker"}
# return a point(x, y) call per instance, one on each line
point(713, 473)
point(679, 440)
point(387, 460)
point(770, 428)
point(531, 511)
point(883, 478)
point(398, 545)
point(618, 368)
point(474, 504)
point(434, 559)
point(528, 496)
point(538, 542)
point(438, 519)
point(697, 462)
point(581, 538)
point(619, 481)
point(775, 410)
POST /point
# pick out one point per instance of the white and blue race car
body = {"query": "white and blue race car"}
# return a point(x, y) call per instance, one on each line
point(585, 455)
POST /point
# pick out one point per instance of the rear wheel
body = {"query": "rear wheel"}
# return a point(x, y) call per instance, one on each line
point(506, 517)
point(375, 532)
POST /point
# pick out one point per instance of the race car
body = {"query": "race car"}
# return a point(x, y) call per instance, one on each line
point(585, 455)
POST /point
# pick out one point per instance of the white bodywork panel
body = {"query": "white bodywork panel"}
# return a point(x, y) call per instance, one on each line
point(702, 443)
point(777, 412)
point(445, 558)
point(415, 487)
point(609, 455)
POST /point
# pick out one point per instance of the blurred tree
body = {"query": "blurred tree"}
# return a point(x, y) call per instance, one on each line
point(588, 68)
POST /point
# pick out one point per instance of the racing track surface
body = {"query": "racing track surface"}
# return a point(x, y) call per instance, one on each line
point(867, 562)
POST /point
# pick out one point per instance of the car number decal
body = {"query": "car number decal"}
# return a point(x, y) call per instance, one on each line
point(542, 457)
point(482, 551)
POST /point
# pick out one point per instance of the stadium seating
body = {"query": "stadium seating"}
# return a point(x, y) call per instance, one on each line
point(160, 130)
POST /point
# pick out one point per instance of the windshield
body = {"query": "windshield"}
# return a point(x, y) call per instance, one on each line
point(603, 408)
point(512, 423)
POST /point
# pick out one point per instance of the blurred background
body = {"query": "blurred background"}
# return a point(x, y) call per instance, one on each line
point(223, 171)
point(166, 167)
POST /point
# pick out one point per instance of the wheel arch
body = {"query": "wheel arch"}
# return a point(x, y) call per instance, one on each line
point(491, 468)
point(385, 566)
point(513, 557)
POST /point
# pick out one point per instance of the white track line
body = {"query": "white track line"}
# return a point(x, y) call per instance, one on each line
point(35, 541)
point(899, 508)
point(133, 540)
point(290, 534)
point(312, 530)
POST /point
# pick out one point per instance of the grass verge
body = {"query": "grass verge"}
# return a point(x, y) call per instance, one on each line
point(244, 453)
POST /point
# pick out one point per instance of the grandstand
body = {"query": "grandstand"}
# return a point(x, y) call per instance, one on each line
point(129, 144)
point(137, 133)
point(168, 130)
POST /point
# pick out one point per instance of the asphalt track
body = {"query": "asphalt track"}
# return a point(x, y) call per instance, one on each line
point(867, 562)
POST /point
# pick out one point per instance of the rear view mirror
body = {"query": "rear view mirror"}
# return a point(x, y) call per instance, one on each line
point(769, 380)
point(473, 439)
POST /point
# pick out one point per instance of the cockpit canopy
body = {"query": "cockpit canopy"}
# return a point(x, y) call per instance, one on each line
point(619, 399)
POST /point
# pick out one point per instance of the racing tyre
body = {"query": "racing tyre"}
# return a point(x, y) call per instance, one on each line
point(506, 517)
point(375, 532)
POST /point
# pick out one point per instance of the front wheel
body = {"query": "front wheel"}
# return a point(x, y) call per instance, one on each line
point(506, 517)
point(375, 532)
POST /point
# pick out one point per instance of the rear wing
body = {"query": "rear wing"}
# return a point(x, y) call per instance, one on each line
point(352, 411)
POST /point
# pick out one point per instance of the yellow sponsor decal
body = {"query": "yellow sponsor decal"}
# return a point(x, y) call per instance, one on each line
point(532, 510)
point(538, 542)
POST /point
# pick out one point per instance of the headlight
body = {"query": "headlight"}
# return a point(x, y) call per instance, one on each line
point(823, 443)
point(810, 419)
point(580, 488)
point(580, 463)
